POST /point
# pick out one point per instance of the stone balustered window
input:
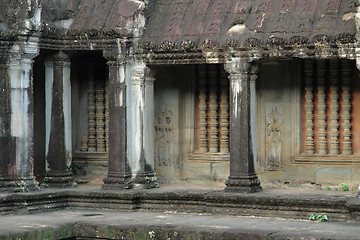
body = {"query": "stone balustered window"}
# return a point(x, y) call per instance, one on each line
point(212, 134)
point(327, 110)
point(96, 139)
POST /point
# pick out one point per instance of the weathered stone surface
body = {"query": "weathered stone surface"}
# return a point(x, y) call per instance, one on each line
point(274, 22)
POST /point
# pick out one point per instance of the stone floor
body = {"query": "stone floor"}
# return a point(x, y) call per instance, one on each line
point(116, 224)
point(66, 224)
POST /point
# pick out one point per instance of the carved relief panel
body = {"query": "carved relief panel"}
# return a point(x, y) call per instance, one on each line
point(278, 114)
point(164, 136)
point(274, 137)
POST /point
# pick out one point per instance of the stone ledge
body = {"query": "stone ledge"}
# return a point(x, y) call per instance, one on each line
point(263, 204)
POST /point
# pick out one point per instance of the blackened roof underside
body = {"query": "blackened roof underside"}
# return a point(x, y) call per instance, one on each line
point(247, 22)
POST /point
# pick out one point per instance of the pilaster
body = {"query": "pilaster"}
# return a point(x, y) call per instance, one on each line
point(17, 116)
point(242, 171)
point(141, 152)
point(58, 148)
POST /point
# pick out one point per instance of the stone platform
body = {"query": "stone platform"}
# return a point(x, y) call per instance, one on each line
point(178, 211)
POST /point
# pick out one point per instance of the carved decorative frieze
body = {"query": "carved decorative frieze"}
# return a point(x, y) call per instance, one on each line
point(188, 45)
point(252, 43)
point(345, 38)
point(321, 39)
point(148, 46)
point(167, 46)
point(275, 42)
point(299, 41)
point(209, 44)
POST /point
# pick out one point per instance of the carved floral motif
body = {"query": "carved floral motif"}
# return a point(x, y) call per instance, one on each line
point(209, 44)
point(188, 45)
point(167, 46)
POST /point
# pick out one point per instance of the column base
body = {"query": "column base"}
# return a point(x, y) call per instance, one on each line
point(115, 181)
point(59, 179)
point(143, 180)
point(243, 184)
point(146, 180)
point(18, 185)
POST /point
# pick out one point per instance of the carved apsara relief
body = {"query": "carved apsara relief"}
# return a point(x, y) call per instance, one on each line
point(164, 136)
point(274, 139)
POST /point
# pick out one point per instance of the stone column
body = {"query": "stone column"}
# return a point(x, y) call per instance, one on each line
point(141, 117)
point(242, 171)
point(17, 116)
point(58, 149)
point(118, 169)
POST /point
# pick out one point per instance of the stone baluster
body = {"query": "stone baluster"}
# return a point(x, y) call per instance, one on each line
point(242, 171)
point(224, 112)
point(346, 106)
point(91, 110)
point(118, 170)
point(334, 108)
point(107, 115)
point(309, 107)
point(321, 73)
point(203, 141)
point(58, 151)
point(213, 108)
point(100, 116)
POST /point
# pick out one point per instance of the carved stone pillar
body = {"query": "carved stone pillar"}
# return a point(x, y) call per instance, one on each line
point(118, 168)
point(141, 117)
point(242, 172)
point(58, 150)
point(17, 116)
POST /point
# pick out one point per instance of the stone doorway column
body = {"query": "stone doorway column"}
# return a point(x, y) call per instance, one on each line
point(242, 171)
point(118, 169)
point(17, 116)
point(58, 150)
point(141, 127)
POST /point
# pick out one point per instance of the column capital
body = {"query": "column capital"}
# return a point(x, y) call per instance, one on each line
point(149, 76)
point(60, 58)
point(237, 66)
